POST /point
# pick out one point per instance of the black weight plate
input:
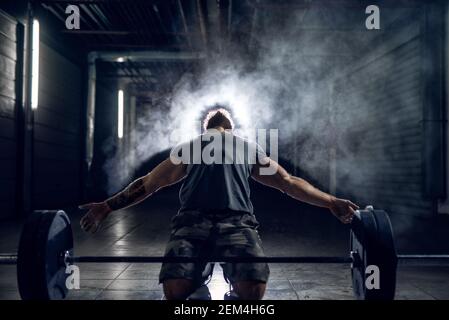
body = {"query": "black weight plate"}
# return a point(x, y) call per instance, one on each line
point(372, 239)
point(363, 230)
point(384, 256)
point(45, 239)
point(357, 251)
point(26, 280)
point(59, 240)
point(357, 268)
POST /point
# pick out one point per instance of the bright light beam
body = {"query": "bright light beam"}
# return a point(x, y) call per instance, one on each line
point(35, 66)
point(120, 115)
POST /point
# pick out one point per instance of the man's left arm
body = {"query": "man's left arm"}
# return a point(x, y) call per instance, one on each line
point(302, 190)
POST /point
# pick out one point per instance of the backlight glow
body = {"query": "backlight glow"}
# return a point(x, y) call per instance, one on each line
point(120, 115)
point(35, 66)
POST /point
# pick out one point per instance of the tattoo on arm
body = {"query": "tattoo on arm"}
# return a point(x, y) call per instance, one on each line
point(131, 194)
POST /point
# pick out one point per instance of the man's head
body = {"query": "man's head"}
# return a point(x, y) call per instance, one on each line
point(218, 117)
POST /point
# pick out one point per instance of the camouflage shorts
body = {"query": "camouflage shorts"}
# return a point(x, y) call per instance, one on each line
point(222, 233)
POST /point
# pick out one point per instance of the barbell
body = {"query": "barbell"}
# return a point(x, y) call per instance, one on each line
point(46, 250)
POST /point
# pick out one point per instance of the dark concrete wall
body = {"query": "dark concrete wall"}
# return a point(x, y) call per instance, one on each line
point(105, 138)
point(57, 131)
point(8, 115)
point(387, 89)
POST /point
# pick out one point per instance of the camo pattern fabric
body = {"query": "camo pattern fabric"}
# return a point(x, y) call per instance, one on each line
point(215, 233)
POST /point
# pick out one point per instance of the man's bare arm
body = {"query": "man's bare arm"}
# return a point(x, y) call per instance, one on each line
point(165, 174)
point(302, 190)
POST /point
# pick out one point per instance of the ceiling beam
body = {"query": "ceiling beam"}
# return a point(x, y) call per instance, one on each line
point(142, 56)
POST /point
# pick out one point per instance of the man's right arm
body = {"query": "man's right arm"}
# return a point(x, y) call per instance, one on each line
point(302, 190)
point(165, 174)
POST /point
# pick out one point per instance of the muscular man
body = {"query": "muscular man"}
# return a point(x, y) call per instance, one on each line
point(216, 215)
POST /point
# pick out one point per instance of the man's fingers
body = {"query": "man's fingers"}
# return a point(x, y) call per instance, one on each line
point(344, 210)
point(347, 216)
point(86, 221)
point(88, 224)
point(346, 220)
point(350, 214)
point(83, 221)
point(95, 228)
point(88, 227)
point(92, 227)
point(353, 205)
point(85, 225)
point(85, 206)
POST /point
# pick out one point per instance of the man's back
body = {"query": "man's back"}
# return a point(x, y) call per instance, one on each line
point(218, 169)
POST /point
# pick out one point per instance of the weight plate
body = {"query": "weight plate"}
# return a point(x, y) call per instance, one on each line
point(26, 279)
point(362, 230)
point(357, 268)
point(46, 236)
point(372, 240)
point(384, 256)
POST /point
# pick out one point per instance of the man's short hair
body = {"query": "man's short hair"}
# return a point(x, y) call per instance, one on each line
point(218, 117)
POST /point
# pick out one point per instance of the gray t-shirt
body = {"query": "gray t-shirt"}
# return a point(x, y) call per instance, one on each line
point(218, 170)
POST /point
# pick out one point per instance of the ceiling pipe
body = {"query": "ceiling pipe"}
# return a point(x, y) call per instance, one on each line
point(147, 56)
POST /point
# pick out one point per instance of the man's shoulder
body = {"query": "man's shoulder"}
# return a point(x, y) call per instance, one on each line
point(206, 137)
point(243, 139)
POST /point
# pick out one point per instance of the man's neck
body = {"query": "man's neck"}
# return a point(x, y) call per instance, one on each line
point(221, 129)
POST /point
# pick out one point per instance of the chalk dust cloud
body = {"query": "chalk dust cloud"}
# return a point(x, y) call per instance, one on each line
point(284, 81)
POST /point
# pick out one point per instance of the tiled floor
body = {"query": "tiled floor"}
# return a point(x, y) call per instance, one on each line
point(144, 230)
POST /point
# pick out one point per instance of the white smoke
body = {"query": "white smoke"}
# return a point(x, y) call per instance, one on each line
point(286, 84)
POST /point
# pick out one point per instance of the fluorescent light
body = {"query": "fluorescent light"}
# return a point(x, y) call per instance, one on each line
point(35, 66)
point(120, 115)
point(120, 59)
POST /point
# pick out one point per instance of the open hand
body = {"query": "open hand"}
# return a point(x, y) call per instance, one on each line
point(91, 221)
point(343, 209)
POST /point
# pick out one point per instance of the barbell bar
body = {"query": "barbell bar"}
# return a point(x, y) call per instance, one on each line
point(46, 250)
point(12, 259)
point(403, 259)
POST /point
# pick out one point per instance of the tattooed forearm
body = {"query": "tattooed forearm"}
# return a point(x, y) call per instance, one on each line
point(135, 191)
point(165, 174)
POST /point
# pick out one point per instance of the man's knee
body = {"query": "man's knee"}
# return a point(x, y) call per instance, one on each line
point(249, 290)
point(177, 289)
